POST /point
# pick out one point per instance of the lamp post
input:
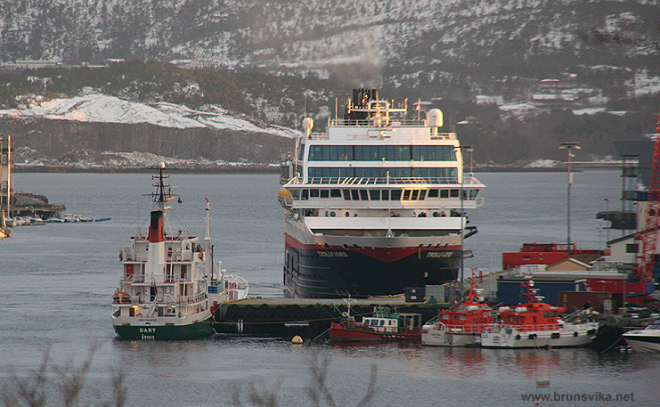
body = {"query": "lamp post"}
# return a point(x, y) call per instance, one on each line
point(462, 198)
point(568, 146)
point(607, 210)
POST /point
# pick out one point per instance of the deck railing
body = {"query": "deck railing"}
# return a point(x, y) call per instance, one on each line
point(355, 181)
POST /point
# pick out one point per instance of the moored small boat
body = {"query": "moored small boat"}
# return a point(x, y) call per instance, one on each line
point(383, 326)
point(645, 340)
point(460, 325)
point(169, 286)
point(536, 324)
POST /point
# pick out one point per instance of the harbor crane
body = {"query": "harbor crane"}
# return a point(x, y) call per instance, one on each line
point(646, 258)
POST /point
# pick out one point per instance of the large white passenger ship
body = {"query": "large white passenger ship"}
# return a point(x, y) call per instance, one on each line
point(374, 204)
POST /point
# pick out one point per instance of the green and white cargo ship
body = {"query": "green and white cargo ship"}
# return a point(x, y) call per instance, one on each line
point(169, 287)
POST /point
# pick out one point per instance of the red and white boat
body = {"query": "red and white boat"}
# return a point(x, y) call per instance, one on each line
point(383, 326)
point(460, 325)
point(536, 324)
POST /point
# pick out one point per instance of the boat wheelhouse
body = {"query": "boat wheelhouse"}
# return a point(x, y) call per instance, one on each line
point(376, 203)
point(460, 325)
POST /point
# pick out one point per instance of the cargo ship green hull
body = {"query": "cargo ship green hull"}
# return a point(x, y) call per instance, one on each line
point(167, 332)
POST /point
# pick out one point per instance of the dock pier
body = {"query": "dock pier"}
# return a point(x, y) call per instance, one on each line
point(307, 317)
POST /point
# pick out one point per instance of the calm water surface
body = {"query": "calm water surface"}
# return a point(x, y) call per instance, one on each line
point(57, 282)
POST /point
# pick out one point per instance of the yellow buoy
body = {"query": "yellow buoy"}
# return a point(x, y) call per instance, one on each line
point(297, 340)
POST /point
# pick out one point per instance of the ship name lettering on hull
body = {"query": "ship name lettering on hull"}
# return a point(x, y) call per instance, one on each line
point(438, 254)
point(332, 254)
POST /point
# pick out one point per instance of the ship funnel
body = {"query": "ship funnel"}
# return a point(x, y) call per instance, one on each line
point(308, 125)
point(434, 120)
point(156, 229)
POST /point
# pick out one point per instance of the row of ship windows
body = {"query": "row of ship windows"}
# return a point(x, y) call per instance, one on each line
point(408, 194)
point(450, 174)
point(381, 152)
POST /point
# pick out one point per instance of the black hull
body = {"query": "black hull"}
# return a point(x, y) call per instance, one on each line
point(322, 272)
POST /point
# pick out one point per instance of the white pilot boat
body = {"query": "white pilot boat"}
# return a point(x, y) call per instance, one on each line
point(535, 324)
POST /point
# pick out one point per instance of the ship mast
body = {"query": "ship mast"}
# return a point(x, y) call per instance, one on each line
point(208, 260)
point(156, 253)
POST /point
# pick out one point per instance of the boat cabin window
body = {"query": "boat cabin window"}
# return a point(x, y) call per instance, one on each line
point(453, 193)
point(414, 194)
point(313, 193)
point(374, 195)
point(433, 193)
point(304, 194)
point(382, 322)
point(335, 193)
point(323, 175)
point(381, 152)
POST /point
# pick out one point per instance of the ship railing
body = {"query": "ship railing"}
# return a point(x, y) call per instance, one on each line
point(178, 256)
point(191, 299)
point(167, 278)
point(135, 278)
point(378, 121)
point(129, 255)
point(468, 328)
point(347, 181)
point(376, 134)
point(497, 328)
point(538, 327)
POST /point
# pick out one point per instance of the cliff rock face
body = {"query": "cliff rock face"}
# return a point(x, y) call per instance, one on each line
point(55, 138)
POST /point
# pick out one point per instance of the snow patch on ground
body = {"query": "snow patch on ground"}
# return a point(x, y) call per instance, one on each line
point(109, 109)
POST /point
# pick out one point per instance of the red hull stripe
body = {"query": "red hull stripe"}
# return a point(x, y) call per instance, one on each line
point(384, 254)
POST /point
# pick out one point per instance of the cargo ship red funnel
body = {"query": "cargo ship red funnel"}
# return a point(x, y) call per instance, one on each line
point(156, 229)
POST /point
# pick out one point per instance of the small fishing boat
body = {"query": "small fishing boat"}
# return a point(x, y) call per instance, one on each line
point(382, 326)
point(460, 325)
point(536, 324)
point(169, 288)
point(645, 340)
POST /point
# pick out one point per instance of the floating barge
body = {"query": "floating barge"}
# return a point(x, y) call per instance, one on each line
point(307, 317)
